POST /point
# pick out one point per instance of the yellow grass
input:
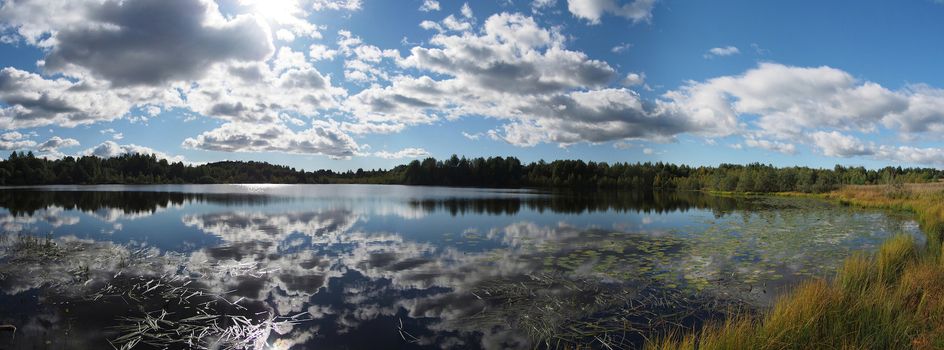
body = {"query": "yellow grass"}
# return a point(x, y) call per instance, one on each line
point(892, 299)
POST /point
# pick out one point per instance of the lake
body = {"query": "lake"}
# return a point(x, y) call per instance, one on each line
point(365, 266)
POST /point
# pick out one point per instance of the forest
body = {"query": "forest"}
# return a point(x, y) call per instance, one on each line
point(506, 172)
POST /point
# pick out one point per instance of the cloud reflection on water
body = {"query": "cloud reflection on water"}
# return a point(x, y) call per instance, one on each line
point(355, 273)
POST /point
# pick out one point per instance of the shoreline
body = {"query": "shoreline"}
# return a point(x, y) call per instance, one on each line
point(893, 298)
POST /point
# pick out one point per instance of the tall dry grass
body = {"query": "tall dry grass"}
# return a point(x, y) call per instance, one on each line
point(890, 299)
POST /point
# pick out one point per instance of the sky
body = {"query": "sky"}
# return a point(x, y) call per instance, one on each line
point(347, 84)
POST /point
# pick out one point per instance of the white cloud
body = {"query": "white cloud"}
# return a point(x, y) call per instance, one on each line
point(318, 52)
point(50, 148)
point(539, 5)
point(16, 145)
point(776, 146)
point(513, 54)
point(11, 136)
point(126, 43)
point(472, 137)
point(621, 47)
point(324, 138)
point(835, 144)
point(924, 112)
point(260, 92)
point(454, 24)
point(55, 143)
point(466, 10)
point(115, 135)
point(623, 145)
point(372, 128)
point(362, 61)
point(110, 149)
point(593, 10)
point(401, 154)
point(113, 58)
point(787, 100)
point(913, 155)
point(722, 51)
point(517, 71)
point(33, 101)
point(634, 79)
point(350, 5)
point(507, 68)
point(429, 5)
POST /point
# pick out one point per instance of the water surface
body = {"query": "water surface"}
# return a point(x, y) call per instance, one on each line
point(361, 266)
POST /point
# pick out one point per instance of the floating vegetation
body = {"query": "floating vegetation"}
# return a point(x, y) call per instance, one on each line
point(789, 239)
point(565, 312)
point(239, 276)
point(189, 317)
point(30, 247)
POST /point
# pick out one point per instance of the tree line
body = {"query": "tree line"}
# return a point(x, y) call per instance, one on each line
point(507, 172)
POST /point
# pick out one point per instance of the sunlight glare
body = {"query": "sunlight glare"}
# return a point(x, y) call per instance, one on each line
point(275, 10)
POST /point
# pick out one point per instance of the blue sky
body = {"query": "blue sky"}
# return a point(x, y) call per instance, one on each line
point(343, 84)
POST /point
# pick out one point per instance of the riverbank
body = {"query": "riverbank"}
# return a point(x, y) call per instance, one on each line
point(892, 299)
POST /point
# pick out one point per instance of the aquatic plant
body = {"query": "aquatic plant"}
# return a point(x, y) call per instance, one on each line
point(173, 312)
point(892, 299)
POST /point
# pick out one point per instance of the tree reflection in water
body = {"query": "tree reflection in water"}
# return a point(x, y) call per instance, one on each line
point(497, 271)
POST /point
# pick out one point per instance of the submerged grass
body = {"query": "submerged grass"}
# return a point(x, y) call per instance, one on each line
point(892, 299)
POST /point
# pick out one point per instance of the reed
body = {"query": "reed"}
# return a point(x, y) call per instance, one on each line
point(891, 299)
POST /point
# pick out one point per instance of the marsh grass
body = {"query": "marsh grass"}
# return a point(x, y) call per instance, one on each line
point(892, 299)
point(30, 247)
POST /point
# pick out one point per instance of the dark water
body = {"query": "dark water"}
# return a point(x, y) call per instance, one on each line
point(349, 267)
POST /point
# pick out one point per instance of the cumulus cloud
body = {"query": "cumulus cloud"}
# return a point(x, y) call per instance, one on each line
point(466, 11)
point(324, 138)
point(514, 70)
point(362, 60)
point(789, 100)
point(909, 154)
point(519, 72)
point(514, 55)
point(31, 100)
point(16, 144)
point(924, 111)
point(319, 52)
point(110, 149)
point(260, 92)
point(634, 79)
point(151, 42)
point(835, 144)
point(722, 51)
point(106, 59)
point(593, 10)
point(17, 141)
point(55, 143)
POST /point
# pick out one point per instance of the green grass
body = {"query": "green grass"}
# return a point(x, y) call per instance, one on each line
point(891, 299)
